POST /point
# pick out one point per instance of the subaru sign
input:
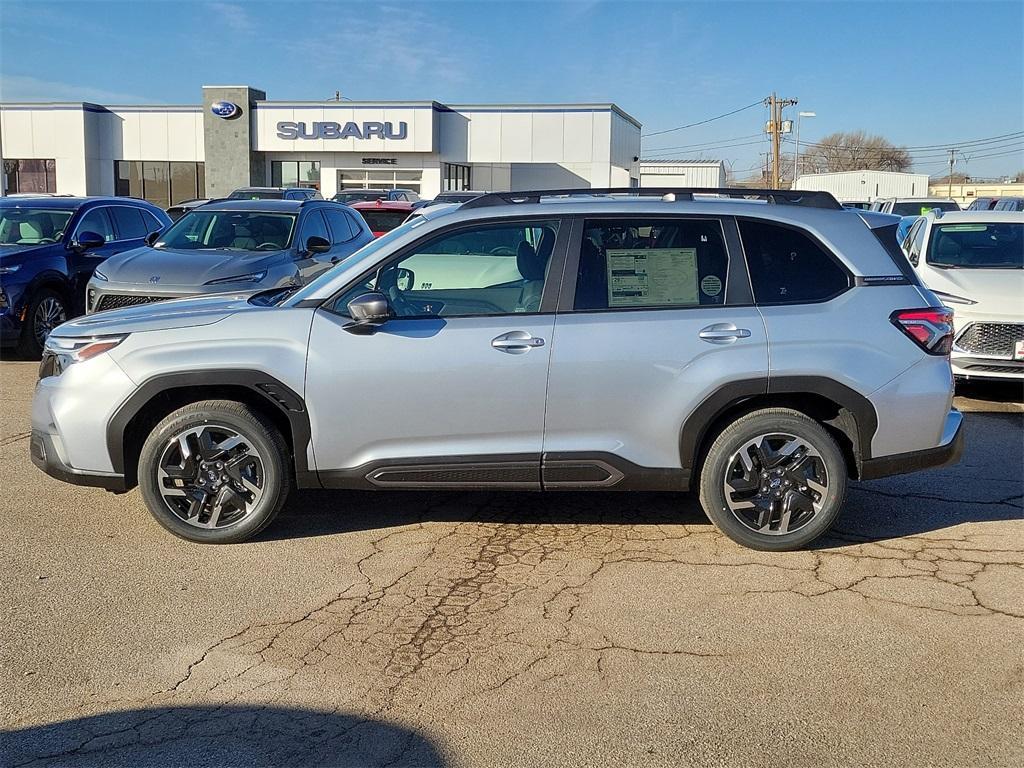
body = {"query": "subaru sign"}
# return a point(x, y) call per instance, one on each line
point(225, 109)
point(362, 131)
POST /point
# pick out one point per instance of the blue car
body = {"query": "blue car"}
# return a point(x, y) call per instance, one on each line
point(49, 247)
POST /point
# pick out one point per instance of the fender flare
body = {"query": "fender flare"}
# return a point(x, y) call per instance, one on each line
point(273, 391)
point(694, 430)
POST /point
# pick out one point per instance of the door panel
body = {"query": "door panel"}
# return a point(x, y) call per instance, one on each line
point(624, 382)
point(424, 388)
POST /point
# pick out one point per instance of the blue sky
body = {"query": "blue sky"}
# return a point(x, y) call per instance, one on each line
point(919, 73)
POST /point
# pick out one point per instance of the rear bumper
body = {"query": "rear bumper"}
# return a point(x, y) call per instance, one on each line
point(46, 456)
point(949, 451)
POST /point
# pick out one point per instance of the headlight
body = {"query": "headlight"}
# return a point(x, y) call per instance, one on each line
point(950, 298)
point(254, 277)
point(59, 353)
point(99, 275)
point(10, 269)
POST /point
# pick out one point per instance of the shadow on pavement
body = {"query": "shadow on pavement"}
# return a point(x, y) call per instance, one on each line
point(985, 486)
point(991, 391)
point(218, 736)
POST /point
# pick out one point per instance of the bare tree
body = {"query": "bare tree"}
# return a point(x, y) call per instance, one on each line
point(854, 151)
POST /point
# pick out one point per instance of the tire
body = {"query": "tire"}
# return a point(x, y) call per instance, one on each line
point(798, 468)
point(181, 481)
point(46, 308)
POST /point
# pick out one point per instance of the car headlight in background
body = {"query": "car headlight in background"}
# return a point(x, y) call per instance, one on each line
point(952, 298)
point(9, 269)
point(60, 353)
point(99, 275)
point(253, 277)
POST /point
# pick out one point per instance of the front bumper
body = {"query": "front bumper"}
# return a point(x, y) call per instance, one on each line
point(47, 455)
point(949, 451)
point(966, 366)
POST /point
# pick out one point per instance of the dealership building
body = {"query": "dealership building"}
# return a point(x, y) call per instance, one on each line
point(237, 137)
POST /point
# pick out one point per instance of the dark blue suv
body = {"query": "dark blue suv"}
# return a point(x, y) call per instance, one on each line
point(49, 247)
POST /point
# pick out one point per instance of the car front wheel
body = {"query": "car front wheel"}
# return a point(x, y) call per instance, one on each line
point(774, 479)
point(214, 472)
point(46, 310)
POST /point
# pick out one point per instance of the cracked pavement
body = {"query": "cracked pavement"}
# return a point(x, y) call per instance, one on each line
point(517, 629)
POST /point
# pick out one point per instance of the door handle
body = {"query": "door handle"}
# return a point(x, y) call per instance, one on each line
point(516, 342)
point(723, 333)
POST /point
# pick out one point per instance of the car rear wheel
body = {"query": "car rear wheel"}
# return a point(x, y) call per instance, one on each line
point(214, 472)
point(46, 310)
point(774, 479)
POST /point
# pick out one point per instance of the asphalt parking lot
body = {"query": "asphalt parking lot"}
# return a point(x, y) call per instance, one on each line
point(502, 629)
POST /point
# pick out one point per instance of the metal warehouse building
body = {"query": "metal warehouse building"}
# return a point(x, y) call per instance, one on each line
point(865, 185)
point(237, 137)
point(682, 173)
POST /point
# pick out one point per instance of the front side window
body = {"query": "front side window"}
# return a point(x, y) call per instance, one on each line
point(340, 224)
point(493, 270)
point(651, 263)
point(787, 266)
point(977, 246)
point(32, 226)
point(96, 221)
point(313, 226)
point(230, 231)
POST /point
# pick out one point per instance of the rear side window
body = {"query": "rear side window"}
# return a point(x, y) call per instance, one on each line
point(129, 222)
point(788, 267)
point(651, 263)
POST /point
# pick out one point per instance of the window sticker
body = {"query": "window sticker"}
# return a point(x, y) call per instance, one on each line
point(711, 285)
point(652, 277)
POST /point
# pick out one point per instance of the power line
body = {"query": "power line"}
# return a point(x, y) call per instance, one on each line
point(705, 143)
point(703, 122)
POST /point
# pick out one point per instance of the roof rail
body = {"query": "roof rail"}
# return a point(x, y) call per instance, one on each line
point(805, 198)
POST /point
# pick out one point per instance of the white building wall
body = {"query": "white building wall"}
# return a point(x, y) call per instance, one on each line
point(54, 132)
point(865, 185)
point(697, 174)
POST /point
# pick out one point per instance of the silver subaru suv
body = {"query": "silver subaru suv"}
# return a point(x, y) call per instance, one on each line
point(758, 347)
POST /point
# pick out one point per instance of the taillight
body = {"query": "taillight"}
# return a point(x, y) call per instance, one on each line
point(930, 328)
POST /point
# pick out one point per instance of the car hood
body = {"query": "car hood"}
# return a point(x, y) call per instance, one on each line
point(161, 316)
point(997, 291)
point(11, 255)
point(165, 266)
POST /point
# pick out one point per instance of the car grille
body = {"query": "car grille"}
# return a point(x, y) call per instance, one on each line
point(991, 339)
point(995, 369)
point(116, 301)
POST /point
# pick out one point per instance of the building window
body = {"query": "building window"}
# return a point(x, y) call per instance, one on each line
point(379, 178)
point(456, 177)
point(30, 176)
point(295, 173)
point(161, 183)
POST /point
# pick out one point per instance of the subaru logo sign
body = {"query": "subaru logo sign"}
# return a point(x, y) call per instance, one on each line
point(225, 109)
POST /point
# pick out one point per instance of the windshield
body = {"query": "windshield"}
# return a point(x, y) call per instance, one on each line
point(977, 246)
point(358, 196)
point(32, 226)
point(230, 231)
point(921, 207)
point(383, 220)
point(256, 194)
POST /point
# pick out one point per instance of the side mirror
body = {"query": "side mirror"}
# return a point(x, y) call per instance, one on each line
point(152, 237)
point(316, 244)
point(367, 312)
point(86, 241)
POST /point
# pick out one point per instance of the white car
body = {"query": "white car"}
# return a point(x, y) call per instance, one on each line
point(974, 262)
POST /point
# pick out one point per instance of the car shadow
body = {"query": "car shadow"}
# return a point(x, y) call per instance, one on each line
point(219, 735)
point(985, 486)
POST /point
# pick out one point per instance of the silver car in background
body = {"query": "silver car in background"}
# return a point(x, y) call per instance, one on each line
point(231, 245)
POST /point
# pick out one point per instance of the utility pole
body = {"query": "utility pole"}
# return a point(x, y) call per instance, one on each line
point(952, 162)
point(776, 105)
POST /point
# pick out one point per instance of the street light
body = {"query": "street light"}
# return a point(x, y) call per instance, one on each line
point(796, 155)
